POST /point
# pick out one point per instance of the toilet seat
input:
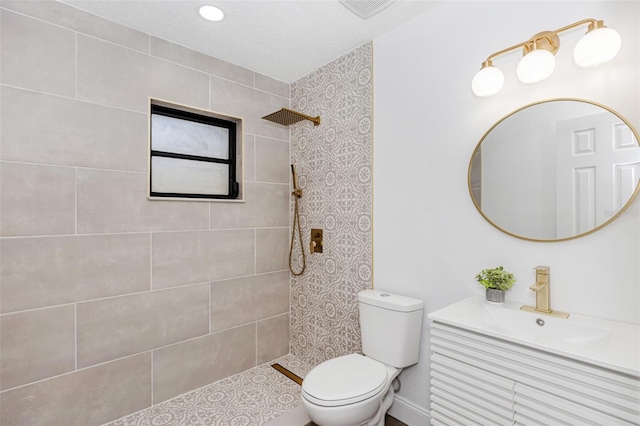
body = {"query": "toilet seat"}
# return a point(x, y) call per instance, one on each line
point(344, 380)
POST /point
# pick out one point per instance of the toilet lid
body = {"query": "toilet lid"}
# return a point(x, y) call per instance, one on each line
point(344, 380)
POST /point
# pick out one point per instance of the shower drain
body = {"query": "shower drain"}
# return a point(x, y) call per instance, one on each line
point(288, 373)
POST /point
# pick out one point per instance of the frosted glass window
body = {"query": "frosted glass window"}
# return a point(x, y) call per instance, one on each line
point(188, 137)
point(192, 155)
point(174, 175)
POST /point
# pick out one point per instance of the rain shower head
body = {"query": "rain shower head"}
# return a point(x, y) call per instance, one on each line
point(288, 116)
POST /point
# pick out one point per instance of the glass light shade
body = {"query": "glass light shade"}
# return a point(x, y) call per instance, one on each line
point(536, 66)
point(596, 47)
point(211, 13)
point(487, 82)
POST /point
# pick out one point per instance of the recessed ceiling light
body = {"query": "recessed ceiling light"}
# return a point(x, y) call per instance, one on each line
point(211, 13)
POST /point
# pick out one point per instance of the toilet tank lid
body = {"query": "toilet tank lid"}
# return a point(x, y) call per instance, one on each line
point(390, 301)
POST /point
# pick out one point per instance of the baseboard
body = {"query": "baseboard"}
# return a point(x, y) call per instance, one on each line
point(409, 413)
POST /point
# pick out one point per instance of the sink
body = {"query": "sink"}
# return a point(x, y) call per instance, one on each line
point(610, 344)
point(538, 327)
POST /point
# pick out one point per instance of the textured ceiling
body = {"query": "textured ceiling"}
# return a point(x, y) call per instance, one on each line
point(285, 40)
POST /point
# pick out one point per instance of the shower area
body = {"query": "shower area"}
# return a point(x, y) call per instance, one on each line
point(119, 309)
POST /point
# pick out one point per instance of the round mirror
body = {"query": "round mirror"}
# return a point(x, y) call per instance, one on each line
point(555, 170)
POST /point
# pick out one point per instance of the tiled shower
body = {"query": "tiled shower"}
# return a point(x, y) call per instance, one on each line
point(110, 302)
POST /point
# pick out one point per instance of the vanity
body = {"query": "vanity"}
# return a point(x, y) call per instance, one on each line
point(500, 365)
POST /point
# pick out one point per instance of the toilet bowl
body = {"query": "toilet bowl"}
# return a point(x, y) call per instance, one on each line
point(349, 390)
point(355, 390)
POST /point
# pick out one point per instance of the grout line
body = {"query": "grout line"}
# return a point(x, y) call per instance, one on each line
point(75, 177)
point(255, 251)
point(74, 166)
point(150, 261)
point(106, 298)
point(75, 319)
point(209, 308)
point(150, 351)
point(26, 89)
point(141, 172)
point(18, 237)
point(256, 328)
point(76, 76)
point(152, 396)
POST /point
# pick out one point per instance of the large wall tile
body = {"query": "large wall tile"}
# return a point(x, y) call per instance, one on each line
point(273, 338)
point(89, 397)
point(78, 20)
point(36, 345)
point(265, 205)
point(181, 258)
point(37, 272)
point(113, 75)
point(117, 202)
point(36, 200)
point(272, 85)
point(36, 55)
point(250, 104)
point(272, 161)
point(120, 326)
point(39, 128)
point(248, 299)
point(272, 249)
point(190, 58)
point(189, 365)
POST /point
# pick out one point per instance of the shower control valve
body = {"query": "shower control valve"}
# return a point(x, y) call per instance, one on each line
point(315, 246)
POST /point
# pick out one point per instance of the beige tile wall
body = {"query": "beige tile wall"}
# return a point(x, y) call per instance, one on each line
point(110, 302)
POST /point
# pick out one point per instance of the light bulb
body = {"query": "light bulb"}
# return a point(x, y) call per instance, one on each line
point(536, 66)
point(211, 13)
point(487, 82)
point(596, 47)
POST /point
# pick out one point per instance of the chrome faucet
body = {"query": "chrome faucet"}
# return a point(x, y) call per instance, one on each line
point(543, 292)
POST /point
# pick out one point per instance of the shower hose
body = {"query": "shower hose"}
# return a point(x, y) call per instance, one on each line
point(296, 223)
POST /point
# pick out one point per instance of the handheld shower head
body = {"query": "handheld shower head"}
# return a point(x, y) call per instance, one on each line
point(293, 176)
point(297, 192)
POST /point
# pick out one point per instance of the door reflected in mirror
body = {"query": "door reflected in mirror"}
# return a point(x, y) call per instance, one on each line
point(555, 170)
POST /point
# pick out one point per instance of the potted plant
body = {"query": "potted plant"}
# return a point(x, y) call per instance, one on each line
point(496, 281)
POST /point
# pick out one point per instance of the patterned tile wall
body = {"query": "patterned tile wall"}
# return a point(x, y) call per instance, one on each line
point(333, 162)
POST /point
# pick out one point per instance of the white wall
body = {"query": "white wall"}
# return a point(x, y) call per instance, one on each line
point(429, 240)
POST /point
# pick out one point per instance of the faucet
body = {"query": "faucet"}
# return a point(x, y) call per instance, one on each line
point(542, 290)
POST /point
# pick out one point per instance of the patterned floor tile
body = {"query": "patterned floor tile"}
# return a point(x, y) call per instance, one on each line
point(251, 398)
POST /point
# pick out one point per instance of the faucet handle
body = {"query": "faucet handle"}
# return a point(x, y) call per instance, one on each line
point(538, 286)
point(542, 270)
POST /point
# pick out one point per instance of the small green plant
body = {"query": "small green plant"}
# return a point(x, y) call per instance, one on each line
point(496, 278)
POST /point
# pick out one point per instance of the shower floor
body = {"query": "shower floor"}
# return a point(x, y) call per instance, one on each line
point(252, 398)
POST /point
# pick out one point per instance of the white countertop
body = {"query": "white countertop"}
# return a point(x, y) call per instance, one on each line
point(609, 344)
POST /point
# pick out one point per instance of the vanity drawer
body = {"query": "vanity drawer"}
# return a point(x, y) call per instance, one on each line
point(539, 405)
point(476, 396)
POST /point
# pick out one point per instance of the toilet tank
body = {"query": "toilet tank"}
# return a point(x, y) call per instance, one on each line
point(391, 327)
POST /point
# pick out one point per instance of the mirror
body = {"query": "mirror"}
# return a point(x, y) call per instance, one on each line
point(555, 170)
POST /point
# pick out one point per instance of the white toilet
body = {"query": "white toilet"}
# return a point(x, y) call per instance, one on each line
point(354, 390)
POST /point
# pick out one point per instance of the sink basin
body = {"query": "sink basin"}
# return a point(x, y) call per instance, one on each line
point(539, 327)
point(610, 344)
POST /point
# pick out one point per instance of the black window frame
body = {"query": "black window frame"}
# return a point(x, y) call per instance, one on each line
point(234, 188)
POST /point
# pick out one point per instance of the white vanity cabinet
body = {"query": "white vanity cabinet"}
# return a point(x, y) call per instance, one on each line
point(477, 379)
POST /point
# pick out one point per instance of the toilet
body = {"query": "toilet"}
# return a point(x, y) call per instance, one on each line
point(354, 390)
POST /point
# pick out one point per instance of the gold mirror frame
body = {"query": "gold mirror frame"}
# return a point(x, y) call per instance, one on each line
point(602, 225)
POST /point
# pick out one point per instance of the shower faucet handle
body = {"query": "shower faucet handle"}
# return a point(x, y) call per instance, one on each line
point(315, 245)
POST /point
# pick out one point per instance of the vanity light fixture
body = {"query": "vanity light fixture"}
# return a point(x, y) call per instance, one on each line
point(211, 13)
point(599, 45)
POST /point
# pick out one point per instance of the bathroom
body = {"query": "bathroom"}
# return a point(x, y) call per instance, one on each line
point(113, 288)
